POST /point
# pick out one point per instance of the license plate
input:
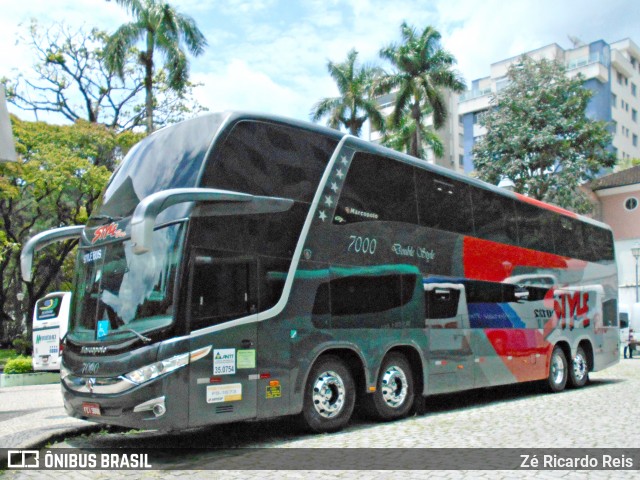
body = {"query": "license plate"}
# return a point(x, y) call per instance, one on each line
point(92, 409)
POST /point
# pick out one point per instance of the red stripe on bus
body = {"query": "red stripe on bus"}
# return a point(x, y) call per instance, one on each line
point(492, 261)
point(548, 206)
point(525, 352)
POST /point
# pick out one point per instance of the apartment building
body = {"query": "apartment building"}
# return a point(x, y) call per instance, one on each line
point(611, 71)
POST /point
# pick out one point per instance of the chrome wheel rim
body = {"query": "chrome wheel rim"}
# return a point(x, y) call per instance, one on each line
point(579, 367)
point(557, 369)
point(394, 387)
point(328, 394)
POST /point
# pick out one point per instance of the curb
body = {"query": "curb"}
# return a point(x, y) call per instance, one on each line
point(24, 379)
point(39, 442)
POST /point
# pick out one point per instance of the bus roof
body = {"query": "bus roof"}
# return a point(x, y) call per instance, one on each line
point(232, 117)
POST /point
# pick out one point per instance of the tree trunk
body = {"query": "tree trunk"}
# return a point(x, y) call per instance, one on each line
point(148, 82)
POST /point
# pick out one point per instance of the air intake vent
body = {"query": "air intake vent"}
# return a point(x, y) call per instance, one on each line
point(224, 409)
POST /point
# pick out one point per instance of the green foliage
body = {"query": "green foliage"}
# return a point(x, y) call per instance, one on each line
point(6, 355)
point(401, 136)
point(356, 103)
point(57, 181)
point(21, 364)
point(538, 135)
point(22, 346)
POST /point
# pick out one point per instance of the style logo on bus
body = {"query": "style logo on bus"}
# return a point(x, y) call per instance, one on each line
point(573, 307)
point(108, 231)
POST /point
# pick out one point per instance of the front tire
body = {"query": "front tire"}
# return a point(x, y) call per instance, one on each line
point(329, 396)
point(395, 390)
point(557, 379)
point(579, 371)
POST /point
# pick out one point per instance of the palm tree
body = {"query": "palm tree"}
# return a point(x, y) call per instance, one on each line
point(164, 29)
point(402, 136)
point(423, 70)
point(356, 103)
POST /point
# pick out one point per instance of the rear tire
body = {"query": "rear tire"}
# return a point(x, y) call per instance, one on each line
point(558, 371)
point(395, 390)
point(579, 371)
point(329, 396)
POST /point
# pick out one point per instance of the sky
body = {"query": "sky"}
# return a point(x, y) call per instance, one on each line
point(271, 56)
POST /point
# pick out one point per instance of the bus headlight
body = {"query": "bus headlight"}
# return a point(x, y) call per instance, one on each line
point(149, 372)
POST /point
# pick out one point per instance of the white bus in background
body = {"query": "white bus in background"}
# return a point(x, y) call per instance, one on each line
point(50, 323)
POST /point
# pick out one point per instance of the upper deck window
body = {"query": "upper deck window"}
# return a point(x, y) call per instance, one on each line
point(269, 159)
point(377, 189)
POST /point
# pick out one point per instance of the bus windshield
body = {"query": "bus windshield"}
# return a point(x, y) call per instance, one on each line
point(120, 295)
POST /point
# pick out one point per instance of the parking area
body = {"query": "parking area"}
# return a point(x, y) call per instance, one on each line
point(597, 416)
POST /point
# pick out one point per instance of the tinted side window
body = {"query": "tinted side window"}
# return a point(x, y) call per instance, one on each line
point(494, 216)
point(570, 238)
point(269, 159)
point(223, 287)
point(443, 203)
point(536, 227)
point(377, 189)
point(364, 301)
point(599, 243)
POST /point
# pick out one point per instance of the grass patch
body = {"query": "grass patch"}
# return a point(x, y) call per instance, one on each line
point(6, 355)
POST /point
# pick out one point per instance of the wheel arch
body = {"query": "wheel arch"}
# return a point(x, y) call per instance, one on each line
point(413, 356)
point(352, 359)
point(588, 350)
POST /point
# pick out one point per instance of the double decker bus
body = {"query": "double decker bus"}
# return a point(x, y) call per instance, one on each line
point(244, 266)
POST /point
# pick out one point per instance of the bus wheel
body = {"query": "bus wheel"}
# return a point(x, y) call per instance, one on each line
point(557, 370)
point(394, 393)
point(579, 372)
point(329, 396)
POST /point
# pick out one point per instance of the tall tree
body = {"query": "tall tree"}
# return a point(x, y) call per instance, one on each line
point(423, 69)
point(539, 136)
point(356, 103)
point(69, 77)
point(401, 137)
point(160, 27)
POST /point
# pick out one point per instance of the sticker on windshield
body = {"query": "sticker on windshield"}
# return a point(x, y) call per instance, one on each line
point(92, 256)
point(103, 328)
point(224, 361)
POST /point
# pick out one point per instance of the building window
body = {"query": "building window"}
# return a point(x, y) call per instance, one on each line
point(614, 100)
point(631, 204)
point(633, 89)
point(634, 115)
point(635, 140)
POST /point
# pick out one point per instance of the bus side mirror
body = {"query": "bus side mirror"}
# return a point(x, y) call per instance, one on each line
point(222, 202)
point(40, 241)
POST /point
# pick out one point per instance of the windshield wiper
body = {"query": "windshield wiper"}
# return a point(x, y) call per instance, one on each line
point(120, 330)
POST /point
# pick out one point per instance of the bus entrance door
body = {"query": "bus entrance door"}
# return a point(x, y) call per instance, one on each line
point(447, 322)
point(223, 292)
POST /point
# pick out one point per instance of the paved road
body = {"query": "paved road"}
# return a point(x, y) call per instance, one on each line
point(597, 416)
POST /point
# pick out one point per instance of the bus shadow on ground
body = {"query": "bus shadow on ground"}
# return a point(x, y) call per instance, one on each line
point(269, 433)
